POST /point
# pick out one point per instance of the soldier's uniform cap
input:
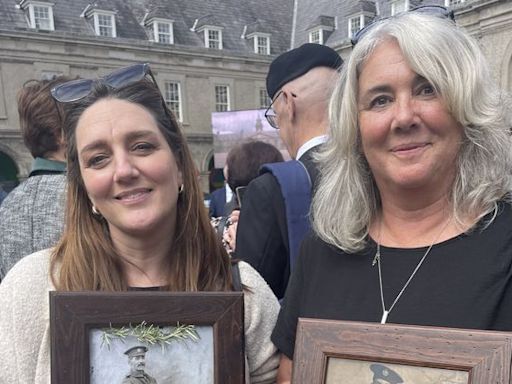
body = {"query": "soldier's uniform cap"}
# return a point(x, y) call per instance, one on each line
point(297, 62)
point(381, 372)
point(138, 350)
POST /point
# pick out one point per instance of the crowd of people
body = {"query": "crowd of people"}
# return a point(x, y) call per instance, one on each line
point(394, 208)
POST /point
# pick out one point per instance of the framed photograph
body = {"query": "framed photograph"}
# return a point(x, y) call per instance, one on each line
point(147, 337)
point(328, 352)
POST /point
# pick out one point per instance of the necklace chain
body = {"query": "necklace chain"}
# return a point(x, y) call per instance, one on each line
point(377, 259)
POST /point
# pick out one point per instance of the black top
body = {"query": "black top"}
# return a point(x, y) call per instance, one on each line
point(465, 282)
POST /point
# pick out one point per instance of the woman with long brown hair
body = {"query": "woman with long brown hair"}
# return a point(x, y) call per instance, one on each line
point(135, 219)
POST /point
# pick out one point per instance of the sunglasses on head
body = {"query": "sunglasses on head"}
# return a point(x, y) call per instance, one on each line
point(436, 10)
point(76, 90)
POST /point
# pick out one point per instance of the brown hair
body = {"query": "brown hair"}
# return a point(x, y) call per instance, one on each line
point(245, 160)
point(40, 117)
point(85, 257)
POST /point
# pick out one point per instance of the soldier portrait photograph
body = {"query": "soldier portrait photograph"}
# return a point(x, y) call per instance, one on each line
point(131, 361)
point(346, 371)
point(137, 361)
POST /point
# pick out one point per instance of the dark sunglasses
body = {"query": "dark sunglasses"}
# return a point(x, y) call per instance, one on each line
point(75, 90)
point(436, 10)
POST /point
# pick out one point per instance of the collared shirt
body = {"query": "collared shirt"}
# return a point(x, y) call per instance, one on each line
point(229, 193)
point(41, 166)
point(310, 144)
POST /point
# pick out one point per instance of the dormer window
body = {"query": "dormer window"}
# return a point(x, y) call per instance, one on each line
point(103, 21)
point(209, 26)
point(316, 36)
point(159, 30)
point(261, 42)
point(163, 32)
point(104, 24)
point(262, 45)
point(321, 28)
point(213, 38)
point(39, 14)
point(355, 23)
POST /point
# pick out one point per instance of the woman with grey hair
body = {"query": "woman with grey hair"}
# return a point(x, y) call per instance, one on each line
point(412, 216)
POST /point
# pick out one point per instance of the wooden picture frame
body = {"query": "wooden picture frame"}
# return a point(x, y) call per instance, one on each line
point(484, 355)
point(73, 315)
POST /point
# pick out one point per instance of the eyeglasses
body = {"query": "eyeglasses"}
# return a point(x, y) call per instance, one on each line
point(76, 90)
point(436, 10)
point(270, 114)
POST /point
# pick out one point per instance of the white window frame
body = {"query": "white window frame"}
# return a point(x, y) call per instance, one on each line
point(394, 4)
point(221, 105)
point(32, 18)
point(156, 33)
point(362, 24)
point(264, 100)
point(178, 112)
point(207, 37)
point(266, 47)
point(112, 17)
point(320, 32)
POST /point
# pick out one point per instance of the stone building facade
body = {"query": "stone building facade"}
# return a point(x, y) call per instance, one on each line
point(207, 55)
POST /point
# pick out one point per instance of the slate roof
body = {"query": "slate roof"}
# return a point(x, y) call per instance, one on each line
point(309, 13)
point(287, 21)
point(230, 15)
point(258, 27)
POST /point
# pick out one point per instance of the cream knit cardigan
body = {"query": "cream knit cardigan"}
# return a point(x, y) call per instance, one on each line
point(25, 326)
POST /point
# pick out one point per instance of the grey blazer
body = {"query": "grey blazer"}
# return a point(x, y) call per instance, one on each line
point(31, 218)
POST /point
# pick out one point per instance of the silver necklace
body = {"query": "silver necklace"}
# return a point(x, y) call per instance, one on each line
point(377, 260)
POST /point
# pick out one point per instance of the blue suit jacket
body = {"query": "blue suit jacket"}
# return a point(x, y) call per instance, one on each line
point(218, 202)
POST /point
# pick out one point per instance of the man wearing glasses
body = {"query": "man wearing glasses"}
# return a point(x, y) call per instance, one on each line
point(300, 83)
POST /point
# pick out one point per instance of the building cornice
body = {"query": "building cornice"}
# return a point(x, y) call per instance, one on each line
point(137, 45)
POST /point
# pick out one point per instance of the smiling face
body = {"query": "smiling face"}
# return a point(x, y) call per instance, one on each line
point(128, 169)
point(408, 136)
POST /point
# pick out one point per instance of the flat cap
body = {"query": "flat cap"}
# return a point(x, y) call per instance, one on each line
point(297, 62)
point(138, 350)
point(383, 373)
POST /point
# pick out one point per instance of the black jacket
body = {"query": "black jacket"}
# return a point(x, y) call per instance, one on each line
point(262, 234)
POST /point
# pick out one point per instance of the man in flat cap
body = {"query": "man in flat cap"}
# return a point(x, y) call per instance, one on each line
point(137, 360)
point(300, 83)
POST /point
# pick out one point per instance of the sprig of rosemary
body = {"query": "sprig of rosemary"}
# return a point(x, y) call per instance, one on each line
point(150, 334)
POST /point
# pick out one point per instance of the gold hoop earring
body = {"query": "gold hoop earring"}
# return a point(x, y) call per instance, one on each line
point(95, 211)
point(180, 189)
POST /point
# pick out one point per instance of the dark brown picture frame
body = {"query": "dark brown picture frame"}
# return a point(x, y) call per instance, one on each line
point(74, 314)
point(485, 355)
